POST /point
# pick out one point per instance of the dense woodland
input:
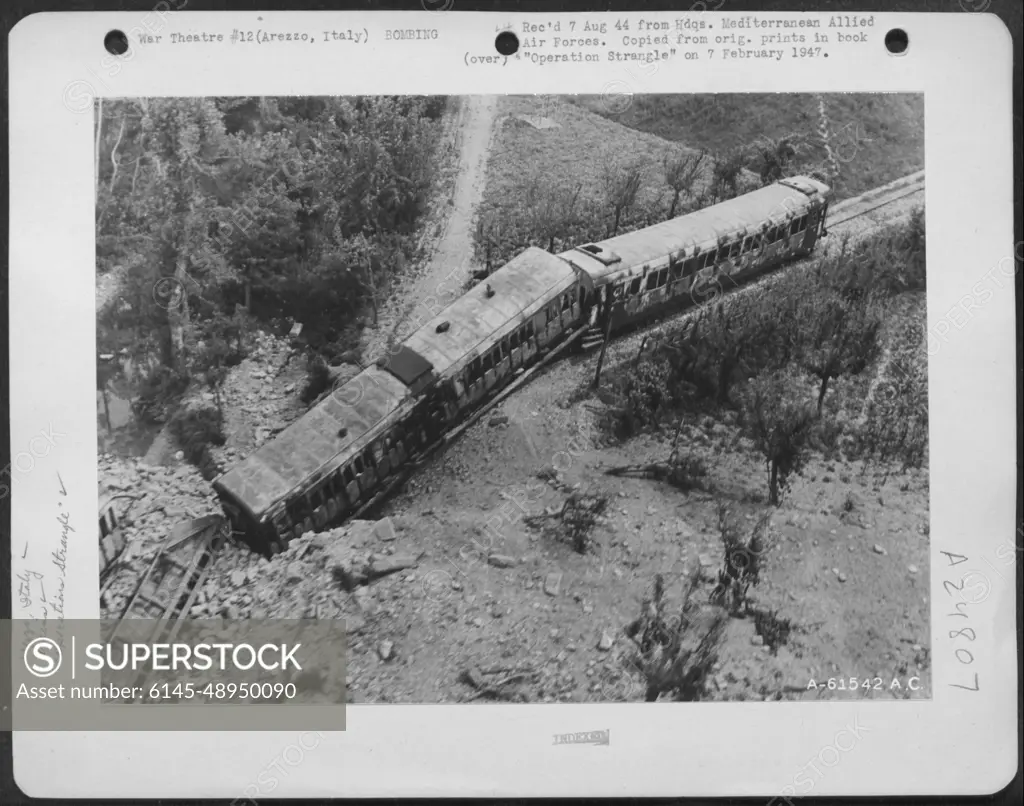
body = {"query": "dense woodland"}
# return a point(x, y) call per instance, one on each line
point(221, 214)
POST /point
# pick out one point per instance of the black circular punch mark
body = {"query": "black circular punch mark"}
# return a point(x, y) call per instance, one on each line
point(896, 41)
point(506, 43)
point(116, 42)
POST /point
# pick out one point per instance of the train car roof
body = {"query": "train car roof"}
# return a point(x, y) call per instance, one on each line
point(314, 441)
point(521, 287)
point(699, 228)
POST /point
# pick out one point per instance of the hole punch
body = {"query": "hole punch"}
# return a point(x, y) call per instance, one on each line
point(116, 42)
point(506, 43)
point(897, 42)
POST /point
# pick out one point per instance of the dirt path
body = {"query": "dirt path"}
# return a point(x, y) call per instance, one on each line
point(442, 276)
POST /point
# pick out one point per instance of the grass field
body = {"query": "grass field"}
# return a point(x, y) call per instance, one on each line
point(574, 152)
point(877, 137)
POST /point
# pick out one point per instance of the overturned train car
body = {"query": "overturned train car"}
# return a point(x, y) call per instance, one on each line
point(352, 448)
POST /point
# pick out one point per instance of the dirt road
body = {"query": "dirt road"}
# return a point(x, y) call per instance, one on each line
point(441, 277)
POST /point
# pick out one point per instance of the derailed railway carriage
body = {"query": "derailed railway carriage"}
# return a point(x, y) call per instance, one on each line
point(355, 446)
point(642, 274)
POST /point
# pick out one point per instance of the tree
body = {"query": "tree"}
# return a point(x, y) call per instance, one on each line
point(621, 188)
point(725, 176)
point(775, 157)
point(841, 337)
point(779, 424)
point(681, 168)
point(552, 208)
point(186, 136)
point(489, 232)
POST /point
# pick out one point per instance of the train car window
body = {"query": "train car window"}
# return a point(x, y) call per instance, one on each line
point(734, 250)
point(513, 340)
point(755, 243)
point(368, 458)
point(357, 462)
point(652, 281)
point(529, 330)
point(634, 287)
point(747, 243)
point(378, 452)
point(565, 302)
point(663, 278)
point(794, 227)
point(347, 475)
point(711, 258)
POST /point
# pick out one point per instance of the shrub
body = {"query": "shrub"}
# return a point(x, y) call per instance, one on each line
point(780, 425)
point(318, 379)
point(743, 558)
point(646, 392)
point(195, 429)
point(774, 630)
point(675, 654)
point(158, 393)
point(890, 263)
point(574, 522)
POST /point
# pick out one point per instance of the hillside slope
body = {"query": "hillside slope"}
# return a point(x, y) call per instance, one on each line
point(877, 137)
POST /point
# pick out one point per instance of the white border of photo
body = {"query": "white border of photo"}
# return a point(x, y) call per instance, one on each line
point(959, 742)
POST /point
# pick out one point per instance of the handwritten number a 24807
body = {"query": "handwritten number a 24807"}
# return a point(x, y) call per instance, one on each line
point(963, 655)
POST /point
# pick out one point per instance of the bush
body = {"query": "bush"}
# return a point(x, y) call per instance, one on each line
point(158, 393)
point(318, 379)
point(743, 558)
point(780, 426)
point(675, 654)
point(195, 429)
point(889, 264)
point(646, 392)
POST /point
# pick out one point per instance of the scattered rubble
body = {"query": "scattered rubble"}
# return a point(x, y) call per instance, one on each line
point(149, 501)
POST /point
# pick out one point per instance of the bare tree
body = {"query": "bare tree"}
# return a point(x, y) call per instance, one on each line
point(843, 339)
point(775, 157)
point(488, 234)
point(725, 176)
point(681, 170)
point(779, 426)
point(621, 188)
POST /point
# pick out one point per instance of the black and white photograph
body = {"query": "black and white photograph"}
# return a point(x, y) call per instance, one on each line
point(552, 398)
point(512, 386)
